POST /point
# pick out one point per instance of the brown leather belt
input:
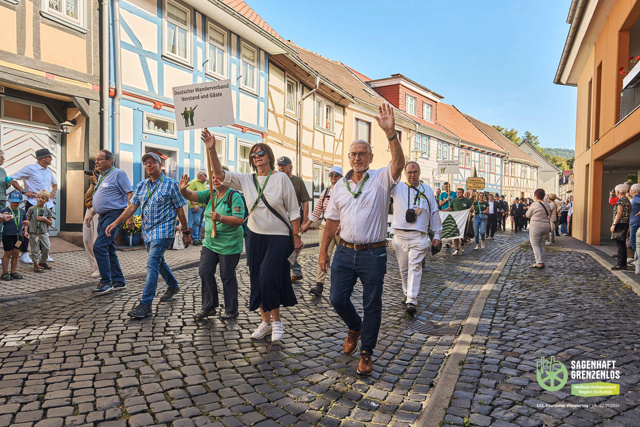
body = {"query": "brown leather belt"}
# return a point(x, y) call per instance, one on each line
point(364, 246)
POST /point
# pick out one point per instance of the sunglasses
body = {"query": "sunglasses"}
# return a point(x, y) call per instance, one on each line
point(334, 174)
point(258, 154)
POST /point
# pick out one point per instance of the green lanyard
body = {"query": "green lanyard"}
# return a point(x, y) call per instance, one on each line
point(260, 191)
point(217, 202)
point(17, 221)
point(418, 195)
point(355, 195)
point(101, 179)
point(150, 193)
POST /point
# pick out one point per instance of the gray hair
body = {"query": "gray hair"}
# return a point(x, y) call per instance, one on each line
point(202, 172)
point(108, 155)
point(362, 141)
point(636, 189)
point(622, 188)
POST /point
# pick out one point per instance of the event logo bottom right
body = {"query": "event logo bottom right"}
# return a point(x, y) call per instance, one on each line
point(552, 375)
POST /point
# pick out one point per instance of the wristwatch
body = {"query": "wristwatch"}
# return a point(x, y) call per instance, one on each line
point(298, 234)
point(187, 232)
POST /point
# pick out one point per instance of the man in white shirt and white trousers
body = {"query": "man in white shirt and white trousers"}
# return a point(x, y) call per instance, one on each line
point(414, 209)
point(360, 205)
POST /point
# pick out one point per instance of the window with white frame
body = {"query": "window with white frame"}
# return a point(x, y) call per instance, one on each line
point(513, 169)
point(443, 151)
point(71, 11)
point(221, 144)
point(482, 162)
point(492, 165)
point(217, 53)
point(411, 104)
point(468, 159)
point(159, 125)
point(317, 179)
point(243, 158)
point(363, 130)
point(422, 144)
point(427, 112)
point(324, 117)
point(177, 34)
point(292, 96)
point(249, 67)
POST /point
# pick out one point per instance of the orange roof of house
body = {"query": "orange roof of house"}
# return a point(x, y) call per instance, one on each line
point(241, 7)
point(514, 152)
point(454, 121)
point(359, 74)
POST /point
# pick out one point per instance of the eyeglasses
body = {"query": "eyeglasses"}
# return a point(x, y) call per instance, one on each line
point(359, 154)
point(412, 173)
point(149, 163)
point(100, 160)
point(257, 154)
point(334, 175)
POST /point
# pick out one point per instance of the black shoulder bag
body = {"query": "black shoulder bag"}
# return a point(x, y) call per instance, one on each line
point(276, 214)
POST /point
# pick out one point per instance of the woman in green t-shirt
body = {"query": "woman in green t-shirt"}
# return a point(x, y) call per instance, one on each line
point(228, 214)
point(480, 211)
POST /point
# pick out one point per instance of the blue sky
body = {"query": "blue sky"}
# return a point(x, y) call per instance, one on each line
point(494, 60)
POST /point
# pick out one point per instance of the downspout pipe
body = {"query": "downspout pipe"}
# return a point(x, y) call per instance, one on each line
point(104, 85)
point(118, 78)
point(299, 141)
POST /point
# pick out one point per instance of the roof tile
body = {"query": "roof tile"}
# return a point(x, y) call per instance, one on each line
point(245, 10)
point(453, 120)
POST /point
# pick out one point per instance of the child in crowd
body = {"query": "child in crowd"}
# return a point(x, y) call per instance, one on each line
point(15, 221)
point(40, 218)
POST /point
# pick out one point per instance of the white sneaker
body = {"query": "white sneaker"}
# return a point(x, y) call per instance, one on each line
point(263, 330)
point(25, 258)
point(277, 331)
point(482, 244)
point(455, 253)
point(49, 259)
point(477, 247)
point(548, 243)
point(95, 274)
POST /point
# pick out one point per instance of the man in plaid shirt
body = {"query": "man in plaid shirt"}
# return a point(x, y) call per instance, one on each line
point(159, 198)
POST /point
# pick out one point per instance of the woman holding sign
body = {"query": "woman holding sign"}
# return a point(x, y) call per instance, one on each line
point(273, 235)
point(225, 212)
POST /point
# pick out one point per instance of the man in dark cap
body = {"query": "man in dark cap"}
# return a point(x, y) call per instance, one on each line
point(285, 166)
point(36, 177)
point(505, 213)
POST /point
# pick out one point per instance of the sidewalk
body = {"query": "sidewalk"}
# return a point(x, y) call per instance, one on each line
point(71, 268)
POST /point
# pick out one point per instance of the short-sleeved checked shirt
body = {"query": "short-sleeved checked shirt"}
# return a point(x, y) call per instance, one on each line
point(159, 213)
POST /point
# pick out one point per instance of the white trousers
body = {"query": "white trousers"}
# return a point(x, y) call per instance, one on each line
point(89, 236)
point(411, 248)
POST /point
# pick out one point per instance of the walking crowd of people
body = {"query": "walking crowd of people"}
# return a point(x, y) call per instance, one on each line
point(269, 210)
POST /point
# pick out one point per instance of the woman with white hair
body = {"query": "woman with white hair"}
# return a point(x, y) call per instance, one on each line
point(620, 226)
point(634, 224)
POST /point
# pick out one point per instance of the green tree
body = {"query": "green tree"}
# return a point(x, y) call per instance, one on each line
point(570, 162)
point(560, 162)
point(511, 134)
point(533, 140)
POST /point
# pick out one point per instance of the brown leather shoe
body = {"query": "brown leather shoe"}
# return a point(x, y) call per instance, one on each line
point(351, 343)
point(295, 279)
point(365, 367)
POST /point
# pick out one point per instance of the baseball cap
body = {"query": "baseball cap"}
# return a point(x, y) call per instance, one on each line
point(336, 169)
point(154, 156)
point(15, 196)
point(283, 161)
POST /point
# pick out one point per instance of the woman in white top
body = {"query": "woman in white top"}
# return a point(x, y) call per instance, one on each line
point(318, 213)
point(539, 212)
point(273, 235)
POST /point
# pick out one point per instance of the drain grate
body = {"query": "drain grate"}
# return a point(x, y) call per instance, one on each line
point(428, 328)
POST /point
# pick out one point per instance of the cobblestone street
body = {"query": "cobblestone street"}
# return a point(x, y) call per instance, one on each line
point(69, 358)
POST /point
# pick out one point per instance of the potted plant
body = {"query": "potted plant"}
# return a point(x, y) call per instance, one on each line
point(133, 233)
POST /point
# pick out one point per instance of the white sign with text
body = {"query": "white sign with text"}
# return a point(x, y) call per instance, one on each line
point(203, 105)
point(446, 167)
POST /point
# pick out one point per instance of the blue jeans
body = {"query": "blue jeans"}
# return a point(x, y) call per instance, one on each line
point(563, 228)
point(195, 223)
point(156, 264)
point(105, 250)
point(370, 266)
point(632, 236)
point(479, 227)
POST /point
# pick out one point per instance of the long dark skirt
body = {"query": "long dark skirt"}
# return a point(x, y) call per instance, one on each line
point(269, 271)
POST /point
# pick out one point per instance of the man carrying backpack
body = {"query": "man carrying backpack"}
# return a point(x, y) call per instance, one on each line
point(225, 210)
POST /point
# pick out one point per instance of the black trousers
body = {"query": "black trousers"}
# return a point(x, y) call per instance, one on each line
point(622, 245)
point(501, 221)
point(492, 224)
point(228, 263)
point(24, 247)
point(518, 220)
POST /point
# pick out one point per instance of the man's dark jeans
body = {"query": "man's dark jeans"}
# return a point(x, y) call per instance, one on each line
point(104, 249)
point(370, 266)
